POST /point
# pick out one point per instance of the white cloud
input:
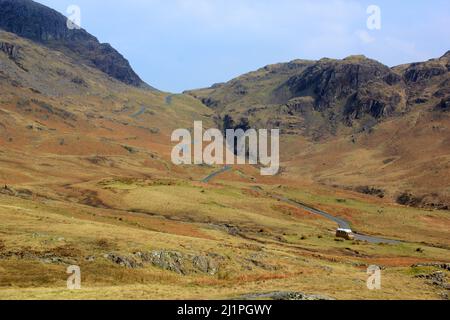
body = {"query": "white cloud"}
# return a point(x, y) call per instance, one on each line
point(365, 37)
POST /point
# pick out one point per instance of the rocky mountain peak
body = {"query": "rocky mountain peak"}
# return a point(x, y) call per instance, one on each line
point(39, 23)
point(331, 82)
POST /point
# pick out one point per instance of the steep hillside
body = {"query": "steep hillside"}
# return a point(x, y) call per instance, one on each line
point(428, 81)
point(86, 177)
point(253, 88)
point(354, 92)
point(39, 23)
point(352, 123)
point(57, 114)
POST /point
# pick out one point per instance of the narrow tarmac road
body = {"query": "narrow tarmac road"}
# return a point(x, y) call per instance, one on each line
point(216, 173)
point(339, 221)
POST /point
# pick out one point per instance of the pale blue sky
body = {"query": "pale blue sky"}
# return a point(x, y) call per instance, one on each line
point(176, 45)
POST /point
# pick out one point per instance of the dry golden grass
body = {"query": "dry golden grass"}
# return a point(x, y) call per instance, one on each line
point(88, 173)
point(302, 249)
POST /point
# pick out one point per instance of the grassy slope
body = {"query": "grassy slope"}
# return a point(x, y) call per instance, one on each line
point(407, 152)
point(98, 180)
point(301, 262)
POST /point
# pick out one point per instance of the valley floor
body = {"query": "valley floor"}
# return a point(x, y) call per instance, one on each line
point(168, 238)
point(86, 178)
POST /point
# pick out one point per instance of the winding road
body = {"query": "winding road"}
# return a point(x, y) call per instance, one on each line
point(169, 99)
point(140, 112)
point(344, 224)
point(216, 173)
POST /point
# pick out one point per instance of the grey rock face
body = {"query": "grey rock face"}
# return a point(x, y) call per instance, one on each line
point(123, 261)
point(418, 72)
point(182, 263)
point(173, 261)
point(10, 50)
point(282, 295)
point(205, 265)
point(438, 279)
point(444, 105)
point(357, 83)
point(329, 81)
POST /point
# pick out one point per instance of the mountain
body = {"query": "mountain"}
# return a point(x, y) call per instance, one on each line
point(428, 81)
point(66, 114)
point(392, 122)
point(317, 98)
point(86, 177)
point(41, 24)
point(353, 123)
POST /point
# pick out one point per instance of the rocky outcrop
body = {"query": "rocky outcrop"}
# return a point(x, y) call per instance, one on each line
point(11, 50)
point(443, 266)
point(41, 24)
point(444, 105)
point(425, 71)
point(418, 72)
point(438, 279)
point(371, 191)
point(63, 255)
point(286, 296)
point(362, 86)
point(19, 193)
point(318, 99)
point(329, 81)
point(181, 263)
point(313, 98)
point(124, 261)
point(173, 261)
point(427, 201)
point(377, 102)
point(427, 81)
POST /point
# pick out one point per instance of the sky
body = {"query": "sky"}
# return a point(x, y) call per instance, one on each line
point(176, 45)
